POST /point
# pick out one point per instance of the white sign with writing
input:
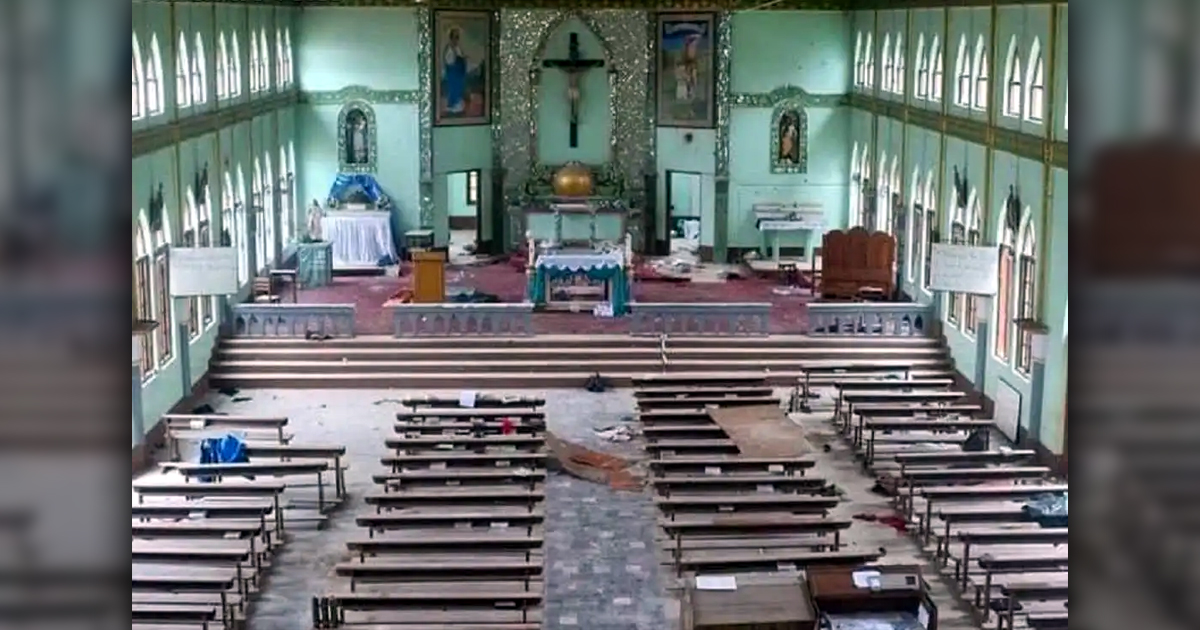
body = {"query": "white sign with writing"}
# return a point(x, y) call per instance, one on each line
point(964, 269)
point(203, 271)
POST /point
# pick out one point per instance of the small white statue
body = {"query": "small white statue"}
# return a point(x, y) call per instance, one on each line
point(314, 221)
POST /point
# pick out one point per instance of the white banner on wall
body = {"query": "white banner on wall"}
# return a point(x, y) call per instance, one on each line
point(965, 269)
point(203, 271)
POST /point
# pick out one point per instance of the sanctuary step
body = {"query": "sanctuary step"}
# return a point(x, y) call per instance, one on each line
point(547, 361)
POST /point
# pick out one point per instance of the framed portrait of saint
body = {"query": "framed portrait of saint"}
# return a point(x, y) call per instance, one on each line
point(686, 93)
point(462, 44)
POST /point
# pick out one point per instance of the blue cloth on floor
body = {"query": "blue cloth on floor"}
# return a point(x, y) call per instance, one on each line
point(1047, 510)
point(227, 449)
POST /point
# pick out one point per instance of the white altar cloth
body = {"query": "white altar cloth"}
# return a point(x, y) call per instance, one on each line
point(579, 260)
point(361, 238)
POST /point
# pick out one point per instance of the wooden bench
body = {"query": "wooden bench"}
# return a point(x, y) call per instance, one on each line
point(698, 431)
point(245, 508)
point(995, 536)
point(464, 442)
point(960, 458)
point(288, 452)
point(692, 525)
point(239, 488)
point(741, 503)
point(461, 414)
point(476, 428)
point(481, 402)
point(649, 404)
point(438, 461)
point(650, 381)
point(441, 569)
point(461, 497)
point(463, 477)
point(721, 465)
point(718, 446)
point(976, 513)
point(503, 518)
point(316, 467)
point(203, 528)
point(740, 483)
point(1050, 561)
point(751, 391)
point(872, 426)
point(674, 416)
point(849, 401)
point(914, 478)
point(436, 607)
point(811, 372)
point(172, 616)
point(165, 577)
point(428, 542)
point(1050, 586)
point(888, 405)
point(750, 560)
point(233, 553)
point(182, 425)
point(940, 494)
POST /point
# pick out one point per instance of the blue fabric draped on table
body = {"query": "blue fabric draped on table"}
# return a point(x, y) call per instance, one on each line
point(595, 266)
point(346, 182)
point(360, 238)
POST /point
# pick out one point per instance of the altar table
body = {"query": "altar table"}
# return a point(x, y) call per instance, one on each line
point(361, 238)
point(608, 267)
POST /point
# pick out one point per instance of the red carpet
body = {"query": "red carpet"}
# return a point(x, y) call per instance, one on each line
point(369, 293)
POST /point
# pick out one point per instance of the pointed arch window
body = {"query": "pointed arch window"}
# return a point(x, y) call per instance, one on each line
point(921, 80)
point(235, 66)
point(869, 57)
point(204, 207)
point(223, 69)
point(860, 66)
point(280, 59)
point(893, 224)
point(980, 98)
point(930, 236)
point(958, 236)
point(139, 78)
point(899, 67)
point(164, 334)
point(289, 70)
point(143, 292)
point(1002, 339)
point(191, 220)
point(970, 316)
point(1035, 85)
point(264, 60)
point(270, 211)
point(1014, 94)
point(241, 228)
point(885, 58)
point(256, 206)
point(255, 80)
point(866, 193)
point(916, 219)
point(855, 188)
point(878, 216)
point(153, 83)
point(1026, 295)
point(286, 212)
point(199, 72)
point(937, 70)
point(962, 75)
point(183, 91)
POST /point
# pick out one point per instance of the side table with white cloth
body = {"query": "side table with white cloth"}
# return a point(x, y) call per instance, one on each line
point(361, 238)
point(606, 267)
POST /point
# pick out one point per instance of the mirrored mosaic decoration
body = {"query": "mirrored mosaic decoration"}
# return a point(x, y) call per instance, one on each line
point(357, 133)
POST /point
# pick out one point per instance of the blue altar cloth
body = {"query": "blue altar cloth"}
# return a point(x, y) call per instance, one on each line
point(596, 266)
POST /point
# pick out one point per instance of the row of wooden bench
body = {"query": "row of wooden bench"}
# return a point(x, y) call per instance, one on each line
point(965, 506)
point(723, 511)
point(203, 536)
point(455, 536)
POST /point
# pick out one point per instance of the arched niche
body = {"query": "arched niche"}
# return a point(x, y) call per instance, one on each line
point(789, 131)
point(552, 85)
point(357, 138)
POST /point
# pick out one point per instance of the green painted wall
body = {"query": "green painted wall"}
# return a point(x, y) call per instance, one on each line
point(553, 112)
point(990, 172)
point(373, 49)
point(457, 196)
point(228, 150)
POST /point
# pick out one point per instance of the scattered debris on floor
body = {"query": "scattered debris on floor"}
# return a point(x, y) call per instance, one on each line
point(584, 463)
point(241, 399)
point(596, 384)
point(894, 521)
point(619, 433)
point(228, 391)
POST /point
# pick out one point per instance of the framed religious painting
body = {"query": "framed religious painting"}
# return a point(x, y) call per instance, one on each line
point(686, 93)
point(462, 44)
point(789, 139)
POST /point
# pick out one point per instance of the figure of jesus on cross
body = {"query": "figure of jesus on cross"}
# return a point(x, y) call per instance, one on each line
point(574, 65)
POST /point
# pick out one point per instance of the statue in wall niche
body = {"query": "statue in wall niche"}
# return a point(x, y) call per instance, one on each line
point(314, 221)
point(789, 137)
point(358, 149)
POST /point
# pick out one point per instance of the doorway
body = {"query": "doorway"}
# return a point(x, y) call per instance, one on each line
point(464, 200)
point(683, 214)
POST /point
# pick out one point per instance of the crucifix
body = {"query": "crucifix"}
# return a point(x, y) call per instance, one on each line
point(574, 65)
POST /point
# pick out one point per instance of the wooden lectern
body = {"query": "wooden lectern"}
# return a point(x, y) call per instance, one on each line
point(429, 277)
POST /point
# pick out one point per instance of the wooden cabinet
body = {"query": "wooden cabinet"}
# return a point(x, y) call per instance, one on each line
point(429, 277)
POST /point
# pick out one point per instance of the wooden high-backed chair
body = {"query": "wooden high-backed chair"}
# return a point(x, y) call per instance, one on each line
point(856, 260)
point(263, 291)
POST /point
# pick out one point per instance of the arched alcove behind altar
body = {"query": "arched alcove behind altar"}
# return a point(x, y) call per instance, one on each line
point(552, 108)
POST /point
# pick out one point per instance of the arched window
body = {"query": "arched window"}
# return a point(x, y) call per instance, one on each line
point(143, 292)
point(164, 334)
point(222, 67)
point(855, 189)
point(1003, 321)
point(899, 67)
point(916, 219)
point(930, 235)
point(962, 75)
point(235, 66)
point(1026, 294)
point(289, 72)
point(1066, 107)
point(937, 70)
point(191, 224)
point(869, 56)
point(860, 66)
point(264, 59)
point(885, 54)
point(286, 212)
point(878, 204)
point(892, 222)
point(280, 59)
point(256, 206)
point(204, 207)
point(255, 79)
point(153, 82)
point(1035, 86)
point(229, 226)
point(271, 212)
point(866, 192)
point(1014, 95)
point(199, 72)
point(974, 237)
point(921, 81)
point(958, 236)
point(139, 98)
point(980, 100)
point(183, 92)
point(291, 180)
point(241, 231)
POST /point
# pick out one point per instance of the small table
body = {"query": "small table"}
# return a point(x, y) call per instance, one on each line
point(288, 275)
